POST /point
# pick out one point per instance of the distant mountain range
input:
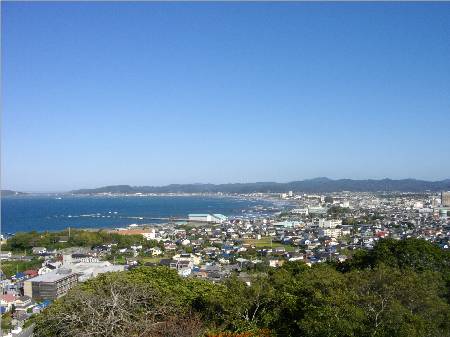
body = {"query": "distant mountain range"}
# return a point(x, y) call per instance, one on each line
point(308, 186)
point(8, 193)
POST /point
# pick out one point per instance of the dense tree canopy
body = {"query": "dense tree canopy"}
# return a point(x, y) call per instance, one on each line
point(418, 255)
point(25, 241)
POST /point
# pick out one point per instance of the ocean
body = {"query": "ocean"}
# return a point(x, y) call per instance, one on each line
point(52, 213)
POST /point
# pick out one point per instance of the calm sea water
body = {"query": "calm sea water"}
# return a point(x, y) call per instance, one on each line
point(42, 213)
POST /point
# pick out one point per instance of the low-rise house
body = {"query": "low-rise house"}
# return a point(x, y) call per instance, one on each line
point(131, 262)
point(41, 306)
point(342, 258)
point(6, 302)
point(169, 246)
point(330, 232)
point(39, 250)
point(21, 316)
point(23, 303)
point(194, 258)
point(185, 242)
point(5, 255)
point(44, 270)
point(31, 273)
point(136, 247)
point(80, 257)
point(53, 264)
point(184, 271)
point(155, 251)
point(298, 257)
point(276, 262)
point(20, 276)
point(200, 274)
point(279, 250)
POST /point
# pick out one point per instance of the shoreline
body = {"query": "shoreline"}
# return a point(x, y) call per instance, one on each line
point(273, 205)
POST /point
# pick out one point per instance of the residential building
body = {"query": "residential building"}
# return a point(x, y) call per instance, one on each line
point(445, 198)
point(5, 255)
point(39, 250)
point(50, 286)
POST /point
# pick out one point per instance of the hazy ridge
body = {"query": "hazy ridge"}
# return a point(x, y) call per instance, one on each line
point(310, 185)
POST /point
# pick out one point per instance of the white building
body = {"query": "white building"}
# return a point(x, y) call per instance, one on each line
point(187, 257)
point(88, 267)
point(155, 251)
point(300, 211)
point(329, 223)
point(317, 210)
point(331, 232)
point(5, 255)
point(418, 205)
point(39, 250)
point(211, 218)
point(150, 234)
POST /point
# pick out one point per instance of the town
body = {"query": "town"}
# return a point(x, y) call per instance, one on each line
point(313, 228)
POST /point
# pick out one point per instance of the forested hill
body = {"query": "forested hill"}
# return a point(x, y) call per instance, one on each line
point(8, 193)
point(307, 186)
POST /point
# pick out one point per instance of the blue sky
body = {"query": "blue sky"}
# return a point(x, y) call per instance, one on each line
point(157, 93)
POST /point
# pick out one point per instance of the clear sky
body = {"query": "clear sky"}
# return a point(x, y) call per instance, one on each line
point(156, 93)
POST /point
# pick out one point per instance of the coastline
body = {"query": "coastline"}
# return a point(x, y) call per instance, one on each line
point(109, 217)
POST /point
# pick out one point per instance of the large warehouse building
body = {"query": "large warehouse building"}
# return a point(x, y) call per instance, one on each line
point(210, 218)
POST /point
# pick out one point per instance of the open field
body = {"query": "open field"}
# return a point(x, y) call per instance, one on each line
point(150, 259)
point(266, 242)
point(10, 267)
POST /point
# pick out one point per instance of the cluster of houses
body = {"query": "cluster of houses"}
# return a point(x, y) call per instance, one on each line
point(316, 228)
point(30, 291)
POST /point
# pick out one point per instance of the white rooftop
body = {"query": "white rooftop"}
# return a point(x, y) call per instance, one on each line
point(52, 276)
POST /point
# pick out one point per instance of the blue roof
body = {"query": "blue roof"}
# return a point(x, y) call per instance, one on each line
point(44, 304)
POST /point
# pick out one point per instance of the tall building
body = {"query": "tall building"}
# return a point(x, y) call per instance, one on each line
point(445, 198)
point(50, 286)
